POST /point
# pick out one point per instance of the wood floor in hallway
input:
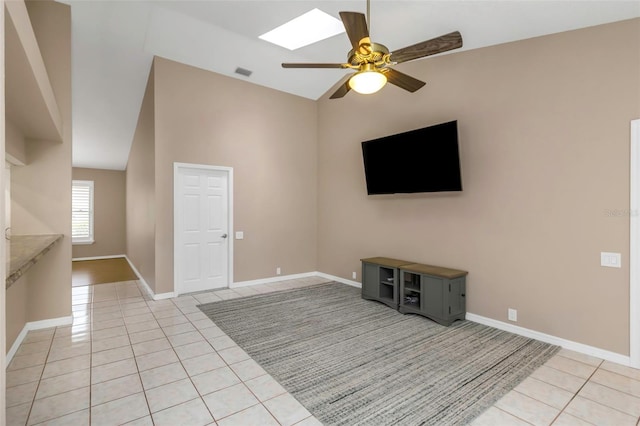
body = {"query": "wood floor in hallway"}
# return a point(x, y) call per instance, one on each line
point(101, 271)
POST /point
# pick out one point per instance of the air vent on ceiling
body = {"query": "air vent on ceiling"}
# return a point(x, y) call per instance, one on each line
point(243, 71)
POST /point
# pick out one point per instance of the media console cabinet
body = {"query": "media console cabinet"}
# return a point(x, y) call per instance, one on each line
point(431, 291)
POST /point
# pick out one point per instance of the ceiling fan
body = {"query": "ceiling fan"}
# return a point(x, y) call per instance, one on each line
point(374, 62)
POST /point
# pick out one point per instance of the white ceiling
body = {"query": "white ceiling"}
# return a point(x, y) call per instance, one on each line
point(114, 43)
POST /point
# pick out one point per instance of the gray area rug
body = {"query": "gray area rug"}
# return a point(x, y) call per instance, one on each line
point(351, 361)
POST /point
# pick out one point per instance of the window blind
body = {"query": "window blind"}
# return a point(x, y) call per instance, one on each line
point(82, 212)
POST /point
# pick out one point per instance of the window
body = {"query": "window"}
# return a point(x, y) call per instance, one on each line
point(82, 212)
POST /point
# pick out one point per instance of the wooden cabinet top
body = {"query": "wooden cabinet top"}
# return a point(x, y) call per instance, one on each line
point(418, 268)
point(385, 261)
point(437, 271)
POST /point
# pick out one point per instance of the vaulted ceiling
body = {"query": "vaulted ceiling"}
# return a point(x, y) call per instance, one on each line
point(114, 43)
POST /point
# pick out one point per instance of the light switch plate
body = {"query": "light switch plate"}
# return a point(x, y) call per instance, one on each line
point(610, 260)
point(239, 235)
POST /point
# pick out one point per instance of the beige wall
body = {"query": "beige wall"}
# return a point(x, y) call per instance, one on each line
point(140, 191)
point(41, 191)
point(109, 213)
point(15, 144)
point(544, 135)
point(544, 138)
point(268, 137)
point(16, 310)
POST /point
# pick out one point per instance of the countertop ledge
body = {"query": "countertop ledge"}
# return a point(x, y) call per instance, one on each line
point(26, 251)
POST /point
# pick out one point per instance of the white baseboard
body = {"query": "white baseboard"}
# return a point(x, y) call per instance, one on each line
point(139, 275)
point(567, 344)
point(338, 279)
point(272, 279)
point(162, 296)
point(293, 277)
point(115, 256)
point(159, 296)
point(35, 325)
point(16, 345)
point(547, 338)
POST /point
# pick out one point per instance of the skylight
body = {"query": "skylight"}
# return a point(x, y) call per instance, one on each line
point(304, 30)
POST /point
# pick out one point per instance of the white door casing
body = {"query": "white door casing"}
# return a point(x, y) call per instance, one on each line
point(203, 246)
point(634, 252)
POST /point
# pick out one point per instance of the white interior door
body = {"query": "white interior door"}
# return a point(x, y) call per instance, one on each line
point(202, 229)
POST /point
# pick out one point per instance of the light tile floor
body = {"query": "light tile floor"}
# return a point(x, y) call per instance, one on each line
point(128, 359)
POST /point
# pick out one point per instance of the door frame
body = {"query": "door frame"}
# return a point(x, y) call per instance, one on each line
point(176, 218)
point(634, 249)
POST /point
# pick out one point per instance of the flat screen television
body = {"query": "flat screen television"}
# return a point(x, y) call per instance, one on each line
point(422, 160)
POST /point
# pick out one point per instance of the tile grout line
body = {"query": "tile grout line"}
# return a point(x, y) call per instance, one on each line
point(577, 392)
point(179, 360)
point(55, 329)
point(242, 381)
point(136, 363)
point(112, 362)
point(90, 360)
point(588, 380)
point(44, 366)
point(606, 405)
point(146, 301)
point(90, 354)
point(620, 375)
point(215, 351)
point(512, 415)
point(91, 324)
point(230, 368)
point(117, 301)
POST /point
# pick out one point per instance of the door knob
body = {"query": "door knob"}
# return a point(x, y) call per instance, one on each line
point(224, 235)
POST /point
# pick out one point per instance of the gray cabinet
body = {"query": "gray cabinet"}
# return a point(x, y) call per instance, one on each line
point(413, 288)
point(434, 292)
point(380, 279)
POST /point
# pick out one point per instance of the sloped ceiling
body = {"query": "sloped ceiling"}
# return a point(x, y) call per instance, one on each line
point(114, 43)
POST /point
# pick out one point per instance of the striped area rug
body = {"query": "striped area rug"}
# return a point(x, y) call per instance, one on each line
point(351, 361)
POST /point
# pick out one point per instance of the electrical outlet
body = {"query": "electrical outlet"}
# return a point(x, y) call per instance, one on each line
point(354, 275)
point(513, 315)
point(278, 270)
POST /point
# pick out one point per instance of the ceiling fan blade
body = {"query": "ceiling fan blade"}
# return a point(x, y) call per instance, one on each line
point(403, 80)
point(356, 25)
point(426, 48)
point(342, 90)
point(295, 65)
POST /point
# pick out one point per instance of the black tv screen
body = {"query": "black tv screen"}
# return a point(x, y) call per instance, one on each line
point(423, 160)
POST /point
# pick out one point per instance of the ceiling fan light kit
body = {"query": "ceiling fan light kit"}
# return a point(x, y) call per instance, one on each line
point(373, 61)
point(367, 81)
